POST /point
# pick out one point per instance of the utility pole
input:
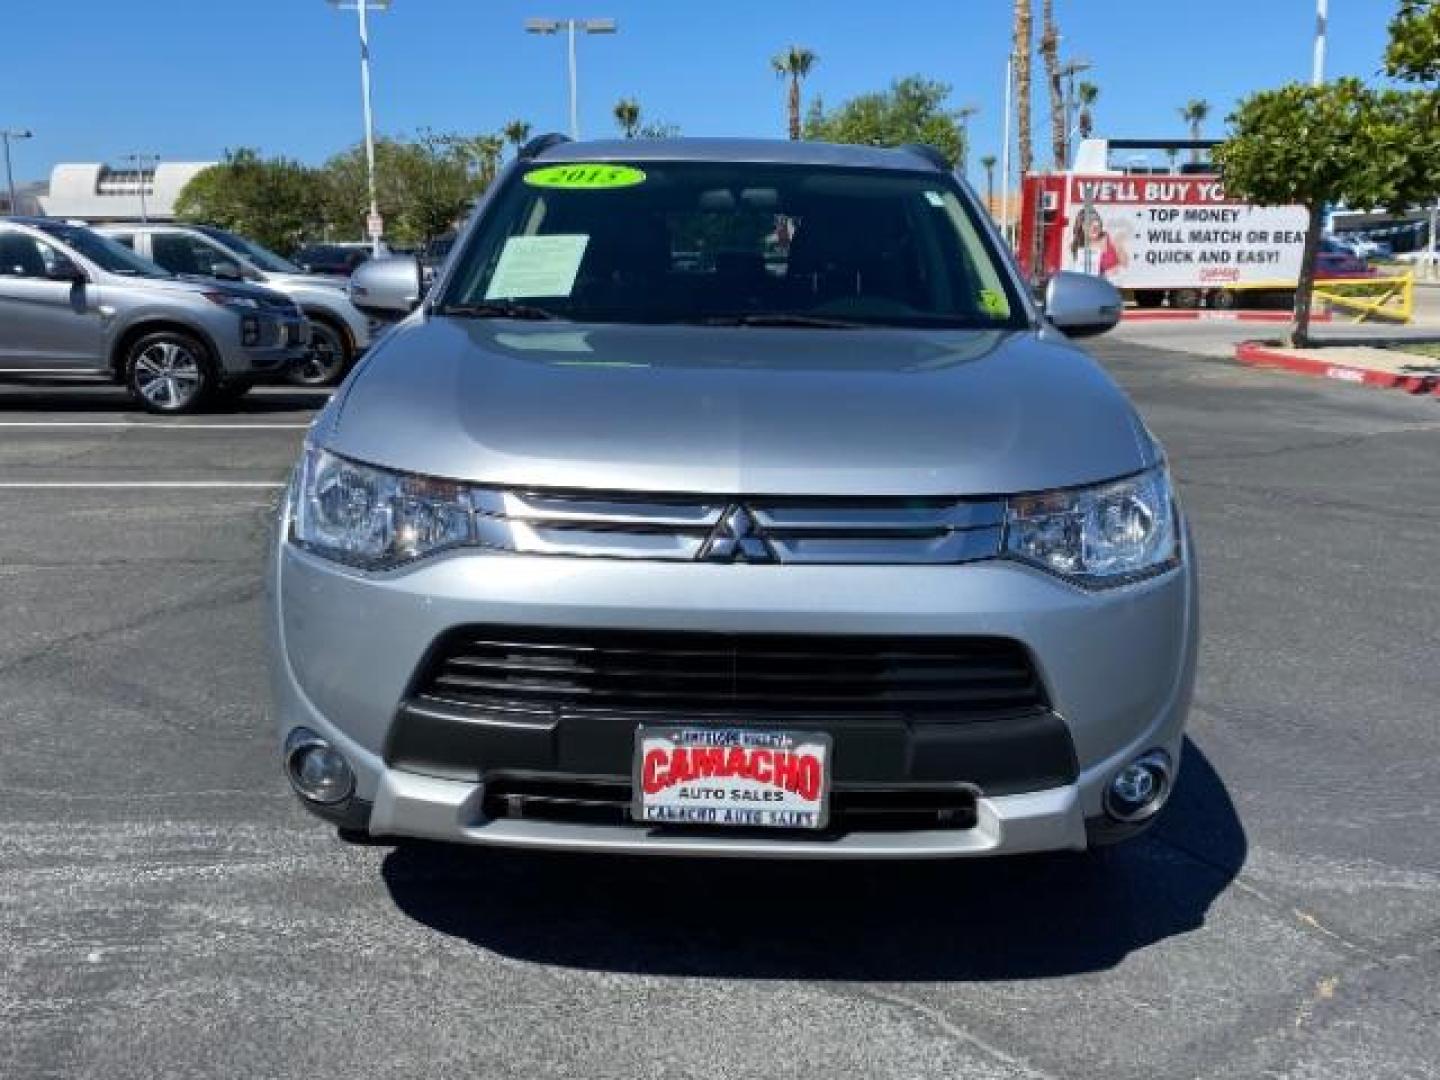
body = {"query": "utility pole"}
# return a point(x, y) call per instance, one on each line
point(572, 27)
point(374, 224)
point(1322, 20)
point(5, 136)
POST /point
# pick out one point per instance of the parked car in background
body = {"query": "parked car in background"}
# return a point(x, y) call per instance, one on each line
point(339, 260)
point(1333, 259)
point(75, 303)
point(852, 554)
point(339, 334)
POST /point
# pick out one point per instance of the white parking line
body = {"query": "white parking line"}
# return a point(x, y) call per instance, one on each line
point(120, 485)
point(159, 425)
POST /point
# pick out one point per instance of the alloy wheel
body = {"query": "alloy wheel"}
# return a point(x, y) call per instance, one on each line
point(168, 375)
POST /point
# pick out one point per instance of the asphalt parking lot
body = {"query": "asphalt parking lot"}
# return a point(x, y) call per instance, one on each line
point(167, 910)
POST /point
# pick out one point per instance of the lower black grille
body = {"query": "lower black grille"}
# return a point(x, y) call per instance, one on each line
point(607, 802)
point(738, 676)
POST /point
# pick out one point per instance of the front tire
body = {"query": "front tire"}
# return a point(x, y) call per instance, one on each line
point(327, 359)
point(169, 372)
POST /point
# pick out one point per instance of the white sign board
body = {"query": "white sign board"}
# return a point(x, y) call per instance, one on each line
point(1178, 232)
point(374, 226)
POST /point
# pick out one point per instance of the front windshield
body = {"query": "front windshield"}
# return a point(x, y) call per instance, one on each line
point(685, 242)
point(103, 252)
point(262, 257)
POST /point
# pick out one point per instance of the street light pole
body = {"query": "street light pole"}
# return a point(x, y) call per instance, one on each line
point(572, 27)
point(362, 9)
point(139, 160)
point(1322, 20)
point(1068, 72)
point(5, 136)
point(1005, 150)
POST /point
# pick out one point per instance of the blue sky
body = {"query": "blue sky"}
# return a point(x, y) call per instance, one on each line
point(96, 79)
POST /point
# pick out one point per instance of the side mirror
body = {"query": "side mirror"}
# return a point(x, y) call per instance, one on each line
point(226, 271)
point(390, 285)
point(1081, 304)
point(63, 269)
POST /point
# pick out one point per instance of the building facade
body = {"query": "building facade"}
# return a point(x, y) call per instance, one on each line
point(98, 193)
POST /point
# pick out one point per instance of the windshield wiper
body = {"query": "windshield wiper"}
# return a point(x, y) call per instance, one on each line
point(781, 318)
point(499, 309)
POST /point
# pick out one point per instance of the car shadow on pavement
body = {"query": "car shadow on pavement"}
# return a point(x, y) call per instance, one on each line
point(1029, 917)
point(78, 398)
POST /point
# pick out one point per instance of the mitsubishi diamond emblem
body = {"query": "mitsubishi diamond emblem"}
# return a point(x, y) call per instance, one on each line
point(738, 537)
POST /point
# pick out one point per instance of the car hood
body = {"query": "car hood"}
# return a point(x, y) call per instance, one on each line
point(306, 281)
point(737, 410)
point(194, 283)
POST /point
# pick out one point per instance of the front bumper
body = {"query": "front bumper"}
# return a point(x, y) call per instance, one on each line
point(268, 347)
point(1118, 668)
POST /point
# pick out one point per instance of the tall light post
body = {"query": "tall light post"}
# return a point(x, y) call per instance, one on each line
point(140, 160)
point(571, 27)
point(5, 136)
point(1068, 73)
point(1322, 20)
point(374, 224)
point(1005, 151)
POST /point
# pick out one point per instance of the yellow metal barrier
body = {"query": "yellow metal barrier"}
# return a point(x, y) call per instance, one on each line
point(1391, 299)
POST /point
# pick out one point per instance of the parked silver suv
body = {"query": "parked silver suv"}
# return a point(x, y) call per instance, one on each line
point(74, 303)
point(735, 498)
point(339, 333)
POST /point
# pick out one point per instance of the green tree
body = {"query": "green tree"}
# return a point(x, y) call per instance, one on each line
point(276, 201)
point(627, 117)
point(1413, 54)
point(795, 64)
point(911, 111)
point(1195, 112)
point(422, 185)
point(1336, 143)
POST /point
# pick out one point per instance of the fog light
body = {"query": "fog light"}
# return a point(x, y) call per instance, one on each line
point(316, 769)
point(249, 331)
point(1139, 789)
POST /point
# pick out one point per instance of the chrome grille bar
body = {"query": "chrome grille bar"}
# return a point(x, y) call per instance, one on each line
point(881, 531)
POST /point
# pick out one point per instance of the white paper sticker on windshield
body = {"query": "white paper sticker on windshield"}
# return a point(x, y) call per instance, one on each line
point(537, 266)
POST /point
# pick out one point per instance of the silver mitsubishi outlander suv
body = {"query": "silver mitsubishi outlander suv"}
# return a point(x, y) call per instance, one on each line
point(734, 498)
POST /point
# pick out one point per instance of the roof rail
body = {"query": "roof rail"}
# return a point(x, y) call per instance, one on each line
point(538, 145)
point(929, 153)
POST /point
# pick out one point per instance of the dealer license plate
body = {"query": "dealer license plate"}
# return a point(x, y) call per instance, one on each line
point(731, 776)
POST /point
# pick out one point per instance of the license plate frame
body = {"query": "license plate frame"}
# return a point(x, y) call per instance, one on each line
point(757, 790)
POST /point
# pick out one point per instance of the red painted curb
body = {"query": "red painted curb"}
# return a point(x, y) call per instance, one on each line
point(1257, 355)
point(1168, 315)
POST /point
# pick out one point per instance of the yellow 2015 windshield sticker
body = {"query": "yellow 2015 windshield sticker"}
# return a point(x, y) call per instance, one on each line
point(993, 302)
point(585, 177)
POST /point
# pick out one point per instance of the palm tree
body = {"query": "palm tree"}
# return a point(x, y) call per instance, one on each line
point(516, 132)
point(488, 149)
point(794, 64)
point(988, 164)
point(1194, 113)
point(1025, 156)
point(1087, 93)
point(1171, 155)
point(1050, 51)
point(962, 117)
point(627, 116)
